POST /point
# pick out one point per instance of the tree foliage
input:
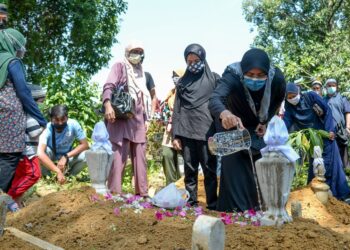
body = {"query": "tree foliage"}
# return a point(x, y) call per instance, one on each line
point(306, 38)
point(67, 42)
point(81, 97)
point(76, 34)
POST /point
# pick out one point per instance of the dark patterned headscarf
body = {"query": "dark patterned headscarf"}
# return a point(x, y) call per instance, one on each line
point(195, 89)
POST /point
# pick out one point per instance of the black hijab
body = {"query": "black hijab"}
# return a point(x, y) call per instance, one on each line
point(255, 58)
point(195, 89)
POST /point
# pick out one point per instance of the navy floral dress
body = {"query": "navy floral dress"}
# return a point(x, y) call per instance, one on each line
point(12, 121)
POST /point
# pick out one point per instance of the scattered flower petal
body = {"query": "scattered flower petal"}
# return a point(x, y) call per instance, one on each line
point(183, 213)
point(108, 196)
point(168, 214)
point(94, 198)
point(116, 211)
point(159, 215)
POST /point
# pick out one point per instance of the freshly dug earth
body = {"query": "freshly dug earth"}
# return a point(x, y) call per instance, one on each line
point(70, 219)
point(9, 241)
point(335, 215)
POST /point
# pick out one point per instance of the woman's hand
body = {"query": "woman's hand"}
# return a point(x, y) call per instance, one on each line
point(331, 136)
point(229, 120)
point(177, 144)
point(260, 130)
point(109, 112)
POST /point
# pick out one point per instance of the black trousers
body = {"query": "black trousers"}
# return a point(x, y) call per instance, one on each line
point(8, 165)
point(343, 150)
point(195, 152)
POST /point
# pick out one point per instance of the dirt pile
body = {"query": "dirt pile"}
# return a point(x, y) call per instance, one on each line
point(70, 219)
point(335, 215)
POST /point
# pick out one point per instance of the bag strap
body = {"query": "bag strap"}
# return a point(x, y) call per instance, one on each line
point(125, 84)
point(53, 142)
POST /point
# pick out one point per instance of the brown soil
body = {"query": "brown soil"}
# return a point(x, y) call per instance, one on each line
point(69, 219)
point(9, 241)
point(335, 215)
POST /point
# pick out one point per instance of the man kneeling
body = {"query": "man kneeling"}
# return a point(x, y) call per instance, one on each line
point(56, 150)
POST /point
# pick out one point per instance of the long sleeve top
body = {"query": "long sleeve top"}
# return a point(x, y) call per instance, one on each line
point(303, 116)
point(17, 77)
point(229, 94)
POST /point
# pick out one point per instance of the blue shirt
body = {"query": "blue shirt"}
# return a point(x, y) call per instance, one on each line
point(303, 116)
point(17, 77)
point(339, 106)
point(65, 139)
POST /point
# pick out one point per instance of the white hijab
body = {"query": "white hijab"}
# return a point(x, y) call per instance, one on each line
point(136, 77)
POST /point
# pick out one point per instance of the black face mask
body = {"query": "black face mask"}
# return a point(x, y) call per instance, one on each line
point(60, 127)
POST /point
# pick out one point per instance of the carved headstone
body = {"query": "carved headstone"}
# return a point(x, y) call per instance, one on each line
point(275, 175)
point(99, 163)
point(318, 184)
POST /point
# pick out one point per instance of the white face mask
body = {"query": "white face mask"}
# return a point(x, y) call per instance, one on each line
point(295, 100)
point(331, 90)
point(134, 58)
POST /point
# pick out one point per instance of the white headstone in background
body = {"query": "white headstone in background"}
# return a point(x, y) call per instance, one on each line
point(99, 163)
point(208, 233)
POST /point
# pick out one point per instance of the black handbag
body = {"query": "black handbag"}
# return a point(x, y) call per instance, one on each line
point(342, 136)
point(122, 103)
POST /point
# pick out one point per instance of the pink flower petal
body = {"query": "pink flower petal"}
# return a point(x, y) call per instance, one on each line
point(108, 196)
point(251, 212)
point(168, 214)
point(226, 218)
point(159, 215)
point(178, 208)
point(146, 205)
point(116, 211)
point(94, 198)
point(183, 213)
point(198, 209)
point(222, 214)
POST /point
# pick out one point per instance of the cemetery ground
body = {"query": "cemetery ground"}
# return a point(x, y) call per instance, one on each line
point(75, 218)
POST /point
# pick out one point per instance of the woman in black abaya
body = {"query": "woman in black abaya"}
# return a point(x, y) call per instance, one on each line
point(193, 123)
point(249, 93)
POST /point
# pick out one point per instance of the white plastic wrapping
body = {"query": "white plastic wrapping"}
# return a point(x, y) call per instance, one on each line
point(276, 138)
point(100, 137)
point(170, 197)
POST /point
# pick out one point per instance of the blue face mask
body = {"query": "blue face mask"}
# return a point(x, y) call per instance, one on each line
point(196, 67)
point(254, 84)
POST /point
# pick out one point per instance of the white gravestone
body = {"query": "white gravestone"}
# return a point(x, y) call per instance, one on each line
point(208, 233)
point(275, 175)
point(99, 163)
